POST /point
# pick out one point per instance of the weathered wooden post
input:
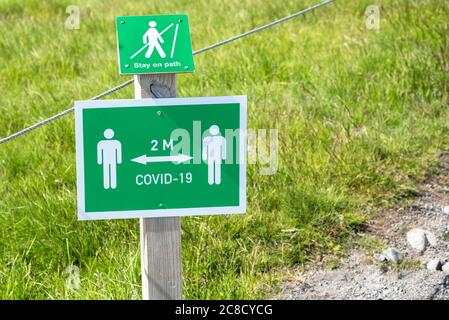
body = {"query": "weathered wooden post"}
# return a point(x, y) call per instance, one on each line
point(160, 238)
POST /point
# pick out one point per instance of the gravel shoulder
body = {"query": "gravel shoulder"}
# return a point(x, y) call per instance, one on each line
point(370, 272)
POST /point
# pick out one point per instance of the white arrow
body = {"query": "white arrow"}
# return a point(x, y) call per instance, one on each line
point(178, 159)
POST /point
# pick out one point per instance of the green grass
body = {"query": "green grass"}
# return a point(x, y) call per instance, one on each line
point(362, 116)
point(446, 236)
point(405, 265)
point(370, 244)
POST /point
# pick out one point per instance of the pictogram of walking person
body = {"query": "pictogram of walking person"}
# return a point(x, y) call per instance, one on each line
point(214, 152)
point(153, 38)
point(109, 154)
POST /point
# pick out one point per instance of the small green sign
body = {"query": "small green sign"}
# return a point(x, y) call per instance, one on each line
point(160, 157)
point(154, 44)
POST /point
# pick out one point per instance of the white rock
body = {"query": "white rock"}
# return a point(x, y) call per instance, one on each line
point(434, 265)
point(417, 239)
point(380, 257)
point(392, 255)
point(445, 268)
point(445, 209)
point(431, 238)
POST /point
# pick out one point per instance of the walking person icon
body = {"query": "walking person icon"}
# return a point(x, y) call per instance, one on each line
point(109, 154)
point(214, 151)
point(153, 39)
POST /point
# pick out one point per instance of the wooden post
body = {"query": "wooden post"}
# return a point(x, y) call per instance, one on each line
point(160, 238)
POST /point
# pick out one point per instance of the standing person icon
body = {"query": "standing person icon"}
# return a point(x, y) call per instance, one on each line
point(214, 151)
point(152, 39)
point(109, 154)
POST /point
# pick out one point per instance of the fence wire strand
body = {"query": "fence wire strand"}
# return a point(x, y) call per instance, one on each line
point(128, 82)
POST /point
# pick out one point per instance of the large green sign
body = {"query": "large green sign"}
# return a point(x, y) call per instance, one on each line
point(160, 157)
point(154, 44)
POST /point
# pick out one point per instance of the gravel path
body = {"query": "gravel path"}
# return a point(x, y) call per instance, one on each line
point(371, 283)
point(362, 276)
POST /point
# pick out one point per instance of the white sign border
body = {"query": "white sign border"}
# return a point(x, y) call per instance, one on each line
point(157, 213)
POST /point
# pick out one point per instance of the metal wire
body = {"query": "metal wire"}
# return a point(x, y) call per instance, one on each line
point(128, 82)
point(61, 114)
point(294, 15)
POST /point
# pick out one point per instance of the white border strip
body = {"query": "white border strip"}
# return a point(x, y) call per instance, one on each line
point(92, 104)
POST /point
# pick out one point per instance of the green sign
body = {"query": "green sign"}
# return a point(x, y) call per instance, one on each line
point(160, 157)
point(154, 44)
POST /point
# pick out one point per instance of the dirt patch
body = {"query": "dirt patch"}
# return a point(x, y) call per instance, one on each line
point(360, 275)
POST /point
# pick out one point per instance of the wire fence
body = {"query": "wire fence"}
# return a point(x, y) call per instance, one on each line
point(128, 82)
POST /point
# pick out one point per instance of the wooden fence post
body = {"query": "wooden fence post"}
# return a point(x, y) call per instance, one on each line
point(160, 238)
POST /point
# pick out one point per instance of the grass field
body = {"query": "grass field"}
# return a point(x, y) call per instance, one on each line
point(362, 116)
